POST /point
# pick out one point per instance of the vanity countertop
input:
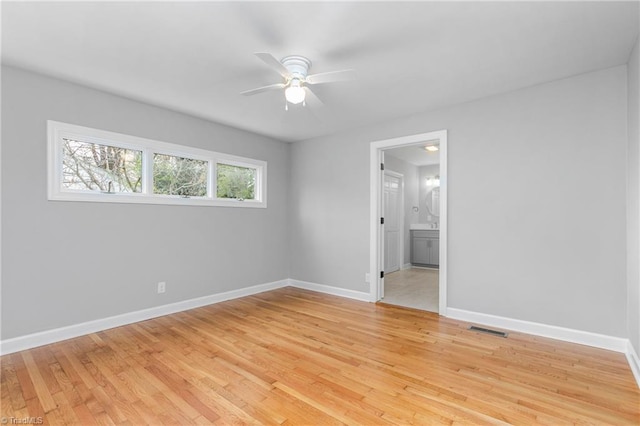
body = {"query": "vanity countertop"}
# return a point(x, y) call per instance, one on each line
point(423, 227)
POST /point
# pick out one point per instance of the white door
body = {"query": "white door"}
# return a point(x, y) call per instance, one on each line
point(392, 220)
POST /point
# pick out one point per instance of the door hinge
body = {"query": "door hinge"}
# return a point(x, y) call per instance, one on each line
point(381, 166)
point(381, 274)
point(382, 221)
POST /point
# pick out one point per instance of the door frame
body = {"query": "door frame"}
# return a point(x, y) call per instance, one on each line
point(376, 248)
point(400, 219)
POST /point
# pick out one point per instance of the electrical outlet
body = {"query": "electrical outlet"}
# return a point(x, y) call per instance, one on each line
point(367, 277)
point(162, 287)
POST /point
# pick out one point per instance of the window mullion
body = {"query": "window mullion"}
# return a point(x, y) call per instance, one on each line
point(213, 182)
point(147, 171)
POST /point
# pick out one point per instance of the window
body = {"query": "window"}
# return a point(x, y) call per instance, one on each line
point(93, 165)
point(182, 176)
point(236, 182)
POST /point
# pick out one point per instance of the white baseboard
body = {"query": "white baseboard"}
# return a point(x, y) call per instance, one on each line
point(336, 291)
point(617, 344)
point(429, 268)
point(29, 341)
point(46, 337)
point(406, 266)
point(634, 362)
point(51, 336)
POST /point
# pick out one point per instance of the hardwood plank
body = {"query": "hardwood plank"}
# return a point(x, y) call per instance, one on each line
point(74, 367)
point(292, 356)
point(34, 408)
point(24, 380)
point(39, 384)
point(11, 390)
point(65, 413)
point(69, 390)
point(181, 394)
point(83, 415)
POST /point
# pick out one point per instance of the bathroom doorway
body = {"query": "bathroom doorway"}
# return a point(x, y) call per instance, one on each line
point(420, 281)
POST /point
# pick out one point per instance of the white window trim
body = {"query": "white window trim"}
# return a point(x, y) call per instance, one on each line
point(56, 131)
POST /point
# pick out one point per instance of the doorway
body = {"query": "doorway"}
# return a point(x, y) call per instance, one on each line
point(378, 250)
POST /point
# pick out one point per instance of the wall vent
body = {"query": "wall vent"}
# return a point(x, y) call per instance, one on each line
point(488, 331)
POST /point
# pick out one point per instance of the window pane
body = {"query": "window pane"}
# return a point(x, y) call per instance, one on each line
point(236, 182)
point(179, 176)
point(94, 167)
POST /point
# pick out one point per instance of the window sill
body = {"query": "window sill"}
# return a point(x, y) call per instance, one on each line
point(155, 199)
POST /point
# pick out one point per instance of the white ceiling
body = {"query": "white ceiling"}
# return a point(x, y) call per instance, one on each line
point(195, 57)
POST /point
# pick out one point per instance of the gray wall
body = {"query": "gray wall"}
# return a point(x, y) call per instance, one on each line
point(545, 251)
point(633, 196)
point(545, 239)
point(70, 262)
point(410, 173)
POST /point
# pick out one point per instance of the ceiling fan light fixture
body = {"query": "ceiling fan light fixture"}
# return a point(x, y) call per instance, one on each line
point(295, 93)
point(297, 81)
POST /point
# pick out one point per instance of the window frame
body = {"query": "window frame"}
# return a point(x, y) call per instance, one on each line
point(96, 141)
point(57, 131)
point(235, 163)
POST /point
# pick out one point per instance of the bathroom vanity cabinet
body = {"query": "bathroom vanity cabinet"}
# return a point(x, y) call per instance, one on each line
point(425, 248)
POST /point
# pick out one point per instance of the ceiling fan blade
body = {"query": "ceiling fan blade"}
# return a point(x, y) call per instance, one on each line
point(273, 63)
point(332, 76)
point(276, 86)
point(312, 99)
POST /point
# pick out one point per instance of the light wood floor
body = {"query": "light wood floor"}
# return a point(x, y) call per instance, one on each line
point(292, 356)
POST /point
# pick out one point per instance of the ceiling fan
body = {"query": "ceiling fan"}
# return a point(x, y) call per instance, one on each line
point(294, 69)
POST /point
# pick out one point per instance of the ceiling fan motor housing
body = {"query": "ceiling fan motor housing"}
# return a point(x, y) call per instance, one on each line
point(298, 66)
